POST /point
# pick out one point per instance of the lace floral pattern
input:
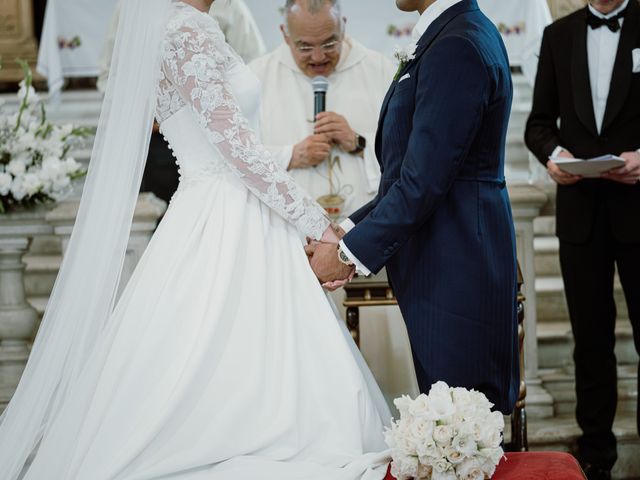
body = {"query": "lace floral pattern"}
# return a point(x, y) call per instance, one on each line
point(195, 61)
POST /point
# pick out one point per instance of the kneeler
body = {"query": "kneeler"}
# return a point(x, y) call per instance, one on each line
point(534, 466)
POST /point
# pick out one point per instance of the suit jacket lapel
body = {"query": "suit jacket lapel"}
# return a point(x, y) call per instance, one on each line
point(622, 69)
point(423, 44)
point(580, 79)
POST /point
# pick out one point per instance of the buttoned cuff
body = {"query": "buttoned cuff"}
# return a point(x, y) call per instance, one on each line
point(347, 224)
point(557, 151)
point(360, 268)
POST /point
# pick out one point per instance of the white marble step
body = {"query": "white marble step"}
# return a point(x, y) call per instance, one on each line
point(555, 345)
point(561, 385)
point(547, 263)
point(551, 304)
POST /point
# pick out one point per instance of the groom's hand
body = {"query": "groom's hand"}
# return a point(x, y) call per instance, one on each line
point(331, 272)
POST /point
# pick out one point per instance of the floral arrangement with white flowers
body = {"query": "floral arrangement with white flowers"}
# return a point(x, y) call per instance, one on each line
point(449, 434)
point(35, 166)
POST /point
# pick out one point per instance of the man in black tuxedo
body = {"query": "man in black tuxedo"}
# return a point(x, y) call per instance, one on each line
point(589, 79)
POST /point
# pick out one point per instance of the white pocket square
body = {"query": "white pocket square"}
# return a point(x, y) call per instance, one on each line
point(407, 75)
point(635, 54)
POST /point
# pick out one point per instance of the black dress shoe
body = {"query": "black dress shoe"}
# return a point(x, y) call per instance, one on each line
point(594, 472)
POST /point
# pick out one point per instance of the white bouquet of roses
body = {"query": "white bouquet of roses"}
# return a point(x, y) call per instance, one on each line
point(451, 433)
point(35, 166)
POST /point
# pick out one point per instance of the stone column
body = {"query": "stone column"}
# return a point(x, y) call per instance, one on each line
point(148, 210)
point(526, 202)
point(17, 39)
point(18, 319)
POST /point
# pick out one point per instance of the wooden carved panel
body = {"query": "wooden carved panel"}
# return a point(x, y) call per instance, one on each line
point(16, 37)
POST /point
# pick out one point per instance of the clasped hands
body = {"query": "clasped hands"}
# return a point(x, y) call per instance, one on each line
point(324, 261)
point(330, 129)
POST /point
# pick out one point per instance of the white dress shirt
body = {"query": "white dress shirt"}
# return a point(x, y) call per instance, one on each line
point(602, 46)
point(429, 16)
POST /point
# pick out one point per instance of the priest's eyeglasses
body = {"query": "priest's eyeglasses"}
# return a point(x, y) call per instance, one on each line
point(307, 50)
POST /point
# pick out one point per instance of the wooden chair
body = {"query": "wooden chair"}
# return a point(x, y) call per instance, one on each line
point(375, 291)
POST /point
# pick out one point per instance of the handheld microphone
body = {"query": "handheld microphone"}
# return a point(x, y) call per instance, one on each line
point(320, 86)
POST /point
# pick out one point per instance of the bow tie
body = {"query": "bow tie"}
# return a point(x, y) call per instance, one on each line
point(612, 23)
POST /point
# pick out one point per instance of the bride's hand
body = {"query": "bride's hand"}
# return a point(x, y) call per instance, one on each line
point(333, 234)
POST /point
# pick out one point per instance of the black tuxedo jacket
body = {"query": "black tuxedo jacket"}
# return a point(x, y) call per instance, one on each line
point(563, 92)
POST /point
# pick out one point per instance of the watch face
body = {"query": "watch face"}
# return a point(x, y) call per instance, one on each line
point(344, 257)
point(362, 142)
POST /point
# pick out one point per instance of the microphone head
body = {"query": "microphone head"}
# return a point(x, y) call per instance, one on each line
point(320, 84)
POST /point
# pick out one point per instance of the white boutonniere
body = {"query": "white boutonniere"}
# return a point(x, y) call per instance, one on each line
point(404, 55)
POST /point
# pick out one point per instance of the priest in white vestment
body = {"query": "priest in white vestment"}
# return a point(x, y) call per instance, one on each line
point(315, 44)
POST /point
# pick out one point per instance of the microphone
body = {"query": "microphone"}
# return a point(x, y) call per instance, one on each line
point(320, 86)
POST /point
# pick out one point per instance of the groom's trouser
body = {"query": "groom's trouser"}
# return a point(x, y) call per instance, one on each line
point(588, 273)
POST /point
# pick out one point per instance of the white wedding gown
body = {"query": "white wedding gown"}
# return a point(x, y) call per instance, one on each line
point(223, 359)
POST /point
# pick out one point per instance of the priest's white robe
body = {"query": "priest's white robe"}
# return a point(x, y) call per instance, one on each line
point(356, 91)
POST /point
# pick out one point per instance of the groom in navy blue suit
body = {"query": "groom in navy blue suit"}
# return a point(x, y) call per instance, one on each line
point(441, 222)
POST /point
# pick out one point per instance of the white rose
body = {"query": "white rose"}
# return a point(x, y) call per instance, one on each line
point(490, 437)
point(5, 183)
point(16, 167)
point(405, 468)
point(465, 445)
point(470, 469)
point(402, 404)
point(420, 407)
point(494, 455)
point(453, 455)
point(442, 407)
point(440, 388)
point(31, 183)
point(422, 429)
point(447, 475)
point(488, 467)
point(441, 465)
point(443, 434)
point(70, 166)
point(26, 140)
point(428, 450)
point(390, 438)
point(60, 185)
point(480, 400)
point(495, 420)
point(17, 189)
point(405, 443)
point(471, 428)
point(461, 396)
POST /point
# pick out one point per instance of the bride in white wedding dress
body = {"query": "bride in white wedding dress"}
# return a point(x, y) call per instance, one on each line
point(223, 359)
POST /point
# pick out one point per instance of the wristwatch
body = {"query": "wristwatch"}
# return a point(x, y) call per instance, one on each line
point(361, 144)
point(344, 258)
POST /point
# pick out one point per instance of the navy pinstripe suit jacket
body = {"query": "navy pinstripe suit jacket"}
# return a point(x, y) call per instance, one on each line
point(441, 221)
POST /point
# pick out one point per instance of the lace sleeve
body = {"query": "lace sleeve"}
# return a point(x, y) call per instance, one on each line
point(195, 61)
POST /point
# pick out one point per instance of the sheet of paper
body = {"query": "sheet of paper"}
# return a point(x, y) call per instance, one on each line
point(590, 167)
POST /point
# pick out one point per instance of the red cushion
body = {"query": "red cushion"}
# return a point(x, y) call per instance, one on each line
point(534, 466)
